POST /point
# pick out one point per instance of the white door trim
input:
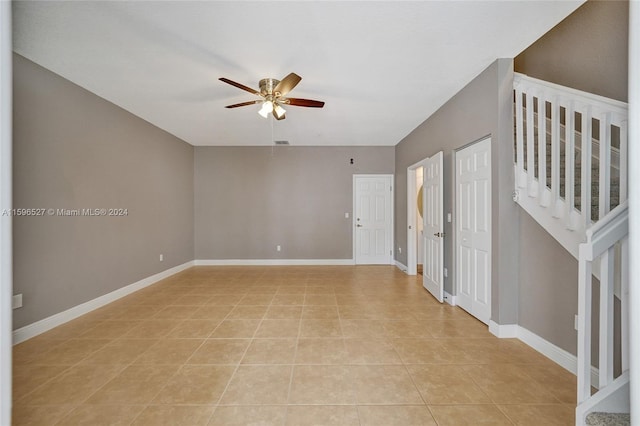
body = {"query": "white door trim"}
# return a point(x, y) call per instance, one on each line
point(634, 199)
point(412, 218)
point(6, 253)
point(353, 212)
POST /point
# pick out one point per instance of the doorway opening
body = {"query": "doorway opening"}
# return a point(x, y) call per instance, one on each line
point(415, 242)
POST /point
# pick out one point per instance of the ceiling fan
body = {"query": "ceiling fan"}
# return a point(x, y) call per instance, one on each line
point(272, 95)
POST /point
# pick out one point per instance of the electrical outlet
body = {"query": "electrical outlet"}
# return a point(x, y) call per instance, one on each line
point(575, 322)
point(161, 257)
point(278, 248)
point(17, 301)
point(346, 215)
point(399, 249)
point(446, 272)
point(449, 217)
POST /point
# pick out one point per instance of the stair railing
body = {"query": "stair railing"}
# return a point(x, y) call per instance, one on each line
point(555, 127)
point(571, 177)
point(606, 240)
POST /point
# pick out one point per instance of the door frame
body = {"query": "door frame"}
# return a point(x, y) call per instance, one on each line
point(6, 253)
point(353, 213)
point(412, 218)
point(454, 227)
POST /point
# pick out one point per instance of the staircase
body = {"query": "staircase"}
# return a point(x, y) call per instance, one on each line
point(595, 151)
point(571, 177)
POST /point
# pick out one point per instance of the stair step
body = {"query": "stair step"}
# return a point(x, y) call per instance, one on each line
point(608, 419)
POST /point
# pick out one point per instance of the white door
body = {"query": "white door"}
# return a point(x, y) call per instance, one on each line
point(433, 230)
point(473, 229)
point(373, 219)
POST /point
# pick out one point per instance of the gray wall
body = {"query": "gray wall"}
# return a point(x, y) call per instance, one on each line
point(480, 109)
point(74, 150)
point(248, 200)
point(586, 51)
point(547, 306)
point(548, 286)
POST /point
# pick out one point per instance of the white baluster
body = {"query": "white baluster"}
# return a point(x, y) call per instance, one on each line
point(624, 302)
point(569, 161)
point(542, 151)
point(605, 165)
point(555, 155)
point(586, 177)
point(531, 190)
point(606, 316)
point(519, 139)
point(624, 149)
point(584, 328)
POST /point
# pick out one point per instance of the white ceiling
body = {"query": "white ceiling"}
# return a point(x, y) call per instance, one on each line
point(381, 67)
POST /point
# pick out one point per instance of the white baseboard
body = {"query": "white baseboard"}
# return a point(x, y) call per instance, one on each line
point(503, 331)
point(450, 299)
point(273, 262)
point(46, 324)
point(556, 354)
point(401, 266)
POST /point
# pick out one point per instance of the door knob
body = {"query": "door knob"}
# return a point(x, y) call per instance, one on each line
point(439, 234)
point(359, 226)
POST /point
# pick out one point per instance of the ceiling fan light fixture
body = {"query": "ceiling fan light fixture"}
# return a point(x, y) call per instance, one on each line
point(279, 111)
point(267, 108)
point(272, 96)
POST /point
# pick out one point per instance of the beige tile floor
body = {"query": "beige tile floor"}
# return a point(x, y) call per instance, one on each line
point(285, 346)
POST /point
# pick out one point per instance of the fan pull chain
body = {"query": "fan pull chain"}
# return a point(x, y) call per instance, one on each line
point(273, 141)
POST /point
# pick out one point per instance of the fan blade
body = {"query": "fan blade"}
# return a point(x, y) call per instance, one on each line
point(282, 117)
point(240, 86)
point(303, 102)
point(245, 104)
point(287, 84)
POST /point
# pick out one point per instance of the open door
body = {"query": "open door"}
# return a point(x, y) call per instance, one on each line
point(432, 272)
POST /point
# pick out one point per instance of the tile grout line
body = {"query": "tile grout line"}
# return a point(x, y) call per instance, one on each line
point(133, 361)
point(125, 366)
point(78, 363)
point(493, 402)
point(246, 290)
point(417, 390)
point(68, 367)
point(180, 368)
point(237, 367)
point(345, 347)
point(504, 414)
point(217, 404)
point(293, 361)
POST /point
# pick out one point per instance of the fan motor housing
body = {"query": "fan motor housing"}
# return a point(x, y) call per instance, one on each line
point(267, 85)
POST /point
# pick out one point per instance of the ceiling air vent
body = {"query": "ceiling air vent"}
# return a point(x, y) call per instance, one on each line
point(281, 142)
